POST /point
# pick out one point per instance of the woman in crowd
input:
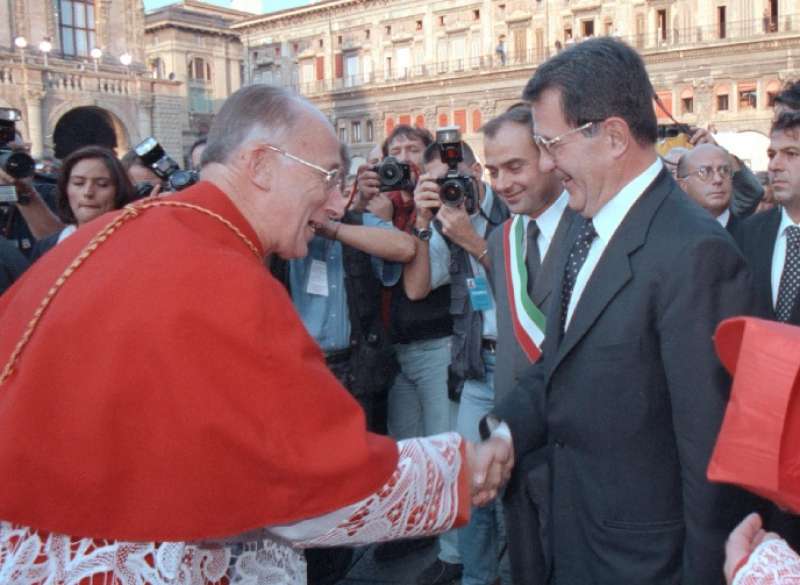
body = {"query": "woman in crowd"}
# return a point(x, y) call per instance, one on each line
point(92, 182)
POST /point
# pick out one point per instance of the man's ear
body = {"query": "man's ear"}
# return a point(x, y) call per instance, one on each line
point(618, 135)
point(258, 162)
point(477, 170)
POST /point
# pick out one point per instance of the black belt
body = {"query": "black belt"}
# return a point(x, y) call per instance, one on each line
point(338, 356)
point(489, 345)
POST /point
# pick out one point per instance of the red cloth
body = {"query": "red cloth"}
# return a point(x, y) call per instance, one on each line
point(171, 392)
point(757, 446)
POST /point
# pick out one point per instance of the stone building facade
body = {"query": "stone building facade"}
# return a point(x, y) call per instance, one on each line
point(67, 81)
point(372, 64)
point(192, 43)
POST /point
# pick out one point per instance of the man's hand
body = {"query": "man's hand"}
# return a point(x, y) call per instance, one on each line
point(426, 198)
point(25, 189)
point(491, 463)
point(742, 541)
point(368, 185)
point(381, 206)
point(457, 226)
point(702, 136)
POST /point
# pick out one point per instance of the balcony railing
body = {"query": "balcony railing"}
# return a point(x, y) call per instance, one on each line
point(694, 37)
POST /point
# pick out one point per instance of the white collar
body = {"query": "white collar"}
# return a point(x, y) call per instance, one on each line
point(724, 217)
point(547, 222)
point(608, 219)
point(786, 221)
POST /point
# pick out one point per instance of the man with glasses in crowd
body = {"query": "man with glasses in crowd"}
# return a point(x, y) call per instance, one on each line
point(628, 397)
point(705, 173)
point(193, 428)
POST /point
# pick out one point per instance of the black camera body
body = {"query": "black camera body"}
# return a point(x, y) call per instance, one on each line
point(394, 175)
point(455, 189)
point(16, 163)
point(165, 168)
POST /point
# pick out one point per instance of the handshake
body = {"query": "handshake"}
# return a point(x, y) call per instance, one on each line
point(490, 463)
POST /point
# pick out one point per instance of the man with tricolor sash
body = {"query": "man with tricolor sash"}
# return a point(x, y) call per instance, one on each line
point(522, 254)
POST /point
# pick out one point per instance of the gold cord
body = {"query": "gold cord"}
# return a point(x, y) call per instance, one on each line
point(129, 212)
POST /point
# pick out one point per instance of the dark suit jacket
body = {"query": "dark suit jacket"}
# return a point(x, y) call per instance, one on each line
point(627, 406)
point(756, 238)
point(511, 360)
point(523, 524)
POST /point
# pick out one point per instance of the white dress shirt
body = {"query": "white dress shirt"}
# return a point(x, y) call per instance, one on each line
point(606, 221)
point(724, 217)
point(779, 254)
point(548, 224)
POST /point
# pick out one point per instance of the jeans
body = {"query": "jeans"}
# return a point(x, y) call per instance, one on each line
point(419, 406)
point(480, 540)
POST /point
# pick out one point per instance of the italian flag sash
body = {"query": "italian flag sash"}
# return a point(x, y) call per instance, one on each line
point(527, 319)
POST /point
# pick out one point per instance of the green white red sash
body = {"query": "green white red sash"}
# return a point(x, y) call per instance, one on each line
point(527, 319)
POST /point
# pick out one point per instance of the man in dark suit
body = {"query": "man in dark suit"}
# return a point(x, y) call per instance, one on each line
point(770, 242)
point(767, 239)
point(538, 232)
point(706, 174)
point(627, 401)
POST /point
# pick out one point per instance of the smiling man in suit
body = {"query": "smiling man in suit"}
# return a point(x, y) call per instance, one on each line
point(627, 400)
point(523, 256)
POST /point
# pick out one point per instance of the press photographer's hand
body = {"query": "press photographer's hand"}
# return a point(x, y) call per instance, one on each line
point(457, 226)
point(368, 185)
point(426, 198)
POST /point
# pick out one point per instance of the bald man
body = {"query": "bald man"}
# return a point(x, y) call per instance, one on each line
point(705, 173)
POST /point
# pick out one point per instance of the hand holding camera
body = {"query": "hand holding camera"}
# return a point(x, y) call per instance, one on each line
point(154, 157)
point(426, 199)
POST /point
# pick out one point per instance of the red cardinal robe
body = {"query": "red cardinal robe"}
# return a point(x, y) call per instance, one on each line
point(170, 391)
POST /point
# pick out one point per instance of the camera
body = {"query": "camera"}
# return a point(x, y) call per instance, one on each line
point(394, 175)
point(165, 168)
point(455, 189)
point(14, 162)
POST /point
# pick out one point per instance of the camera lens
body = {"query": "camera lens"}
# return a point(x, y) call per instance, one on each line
point(390, 173)
point(17, 164)
point(452, 192)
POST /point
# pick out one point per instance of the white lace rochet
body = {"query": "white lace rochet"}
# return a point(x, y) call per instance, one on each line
point(420, 498)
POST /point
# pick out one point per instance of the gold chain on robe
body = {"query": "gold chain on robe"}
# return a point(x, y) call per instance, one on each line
point(128, 212)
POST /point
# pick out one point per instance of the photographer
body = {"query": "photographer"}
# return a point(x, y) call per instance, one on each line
point(456, 212)
point(24, 195)
point(379, 184)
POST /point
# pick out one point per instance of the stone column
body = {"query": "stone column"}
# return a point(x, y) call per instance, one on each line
point(33, 106)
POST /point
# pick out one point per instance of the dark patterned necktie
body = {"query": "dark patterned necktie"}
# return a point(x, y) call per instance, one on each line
point(577, 256)
point(532, 259)
point(790, 277)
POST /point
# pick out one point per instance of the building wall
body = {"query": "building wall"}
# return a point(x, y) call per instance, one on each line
point(45, 92)
point(438, 62)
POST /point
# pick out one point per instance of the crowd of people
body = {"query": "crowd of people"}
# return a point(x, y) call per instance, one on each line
point(511, 356)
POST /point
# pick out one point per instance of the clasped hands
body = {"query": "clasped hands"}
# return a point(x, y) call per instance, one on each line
point(490, 463)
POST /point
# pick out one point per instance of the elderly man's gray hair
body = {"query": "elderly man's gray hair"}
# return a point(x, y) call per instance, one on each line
point(272, 110)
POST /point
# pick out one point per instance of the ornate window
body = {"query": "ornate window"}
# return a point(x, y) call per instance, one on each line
point(77, 27)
